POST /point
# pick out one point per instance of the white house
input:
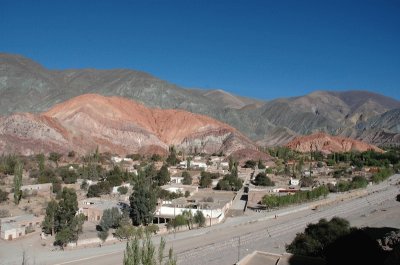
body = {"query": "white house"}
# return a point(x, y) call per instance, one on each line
point(294, 182)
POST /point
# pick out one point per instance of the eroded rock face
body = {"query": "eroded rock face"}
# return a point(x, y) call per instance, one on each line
point(329, 144)
point(117, 125)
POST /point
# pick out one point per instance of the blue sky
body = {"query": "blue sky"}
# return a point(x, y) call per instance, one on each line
point(262, 49)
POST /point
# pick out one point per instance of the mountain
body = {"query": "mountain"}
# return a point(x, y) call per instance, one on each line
point(26, 86)
point(329, 144)
point(117, 125)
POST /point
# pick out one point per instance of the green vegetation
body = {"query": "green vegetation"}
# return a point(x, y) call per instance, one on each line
point(205, 180)
point(163, 176)
point(17, 182)
point(250, 164)
point(61, 218)
point(143, 200)
point(145, 253)
point(199, 219)
point(273, 201)
point(263, 180)
point(229, 182)
point(3, 196)
point(187, 178)
point(317, 237)
point(383, 174)
point(356, 183)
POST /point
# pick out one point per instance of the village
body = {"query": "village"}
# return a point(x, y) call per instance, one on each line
point(193, 191)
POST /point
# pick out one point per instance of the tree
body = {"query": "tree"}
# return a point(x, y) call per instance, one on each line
point(205, 181)
point(187, 214)
point(250, 164)
point(122, 190)
point(110, 218)
point(263, 180)
point(199, 218)
point(67, 208)
point(40, 160)
point(64, 236)
point(3, 196)
point(143, 203)
point(187, 178)
point(55, 157)
point(146, 253)
point(48, 224)
point(260, 164)
point(77, 225)
point(163, 176)
point(17, 182)
point(103, 235)
point(317, 237)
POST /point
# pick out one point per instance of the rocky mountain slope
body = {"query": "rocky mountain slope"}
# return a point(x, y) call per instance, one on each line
point(26, 86)
point(328, 144)
point(117, 125)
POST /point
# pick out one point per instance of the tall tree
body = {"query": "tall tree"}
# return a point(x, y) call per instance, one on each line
point(143, 202)
point(17, 182)
point(146, 253)
point(48, 224)
point(163, 176)
point(67, 208)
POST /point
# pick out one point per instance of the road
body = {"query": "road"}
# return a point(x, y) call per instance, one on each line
point(236, 237)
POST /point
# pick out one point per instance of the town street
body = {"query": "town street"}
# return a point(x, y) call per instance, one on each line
point(236, 237)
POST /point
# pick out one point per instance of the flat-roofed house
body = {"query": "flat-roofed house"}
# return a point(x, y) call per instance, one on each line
point(18, 226)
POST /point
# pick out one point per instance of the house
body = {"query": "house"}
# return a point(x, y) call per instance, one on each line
point(93, 208)
point(294, 182)
point(18, 226)
point(176, 179)
point(44, 189)
point(193, 164)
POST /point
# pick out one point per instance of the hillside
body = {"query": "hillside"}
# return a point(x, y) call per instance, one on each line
point(26, 86)
point(328, 144)
point(117, 125)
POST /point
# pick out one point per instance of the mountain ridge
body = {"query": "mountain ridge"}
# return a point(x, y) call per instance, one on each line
point(26, 86)
point(116, 125)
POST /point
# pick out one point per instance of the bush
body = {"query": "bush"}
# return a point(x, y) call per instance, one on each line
point(263, 180)
point(317, 237)
point(122, 190)
point(3, 196)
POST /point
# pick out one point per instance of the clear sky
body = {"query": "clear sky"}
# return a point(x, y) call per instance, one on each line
point(264, 49)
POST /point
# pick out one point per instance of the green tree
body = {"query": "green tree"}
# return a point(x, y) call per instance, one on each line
point(55, 157)
point(205, 181)
point(163, 176)
point(64, 236)
point(187, 214)
point(146, 253)
point(67, 208)
point(260, 164)
point(199, 218)
point(3, 196)
point(143, 202)
point(110, 218)
point(250, 164)
point(17, 182)
point(40, 158)
point(263, 180)
point(48, 224)
point(103, 235)
point(187, 178)
point(317, 237)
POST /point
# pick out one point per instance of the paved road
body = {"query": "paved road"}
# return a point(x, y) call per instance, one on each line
point(225, 243)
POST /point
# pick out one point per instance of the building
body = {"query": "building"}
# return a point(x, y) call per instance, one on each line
point(18, 226)
point(93, 208)
point(294, 182)
point(40, 189)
